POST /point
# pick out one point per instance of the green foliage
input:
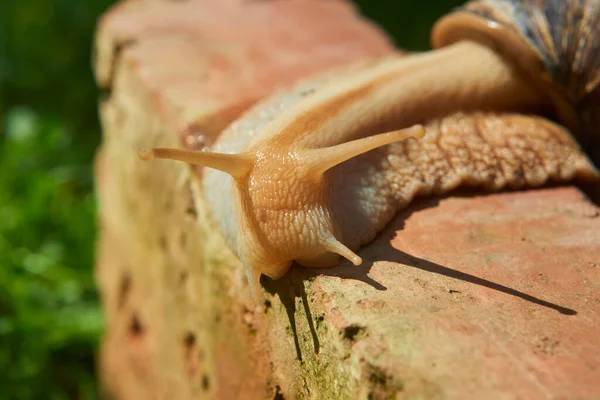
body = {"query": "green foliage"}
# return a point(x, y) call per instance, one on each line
point(408, 22)
point(49, 315)
point(50, 320)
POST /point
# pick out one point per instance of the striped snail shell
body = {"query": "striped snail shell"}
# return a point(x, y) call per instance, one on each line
point(553, 41)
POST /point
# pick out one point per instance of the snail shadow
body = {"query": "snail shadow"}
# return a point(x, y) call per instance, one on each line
point(391, 254)
point(592, 191)
point(288, 289)
point(400, 257)
point(292, 286)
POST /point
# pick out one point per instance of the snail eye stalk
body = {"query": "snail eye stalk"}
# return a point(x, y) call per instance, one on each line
point(236, 165)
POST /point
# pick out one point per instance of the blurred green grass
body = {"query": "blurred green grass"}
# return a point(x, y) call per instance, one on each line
point(50, 320)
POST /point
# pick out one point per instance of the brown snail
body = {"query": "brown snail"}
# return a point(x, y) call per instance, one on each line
point(306, 175)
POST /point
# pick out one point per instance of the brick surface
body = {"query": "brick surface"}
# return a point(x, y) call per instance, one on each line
point(481, 296)
point(175, 73)
point(468, 296)
point(203, 62)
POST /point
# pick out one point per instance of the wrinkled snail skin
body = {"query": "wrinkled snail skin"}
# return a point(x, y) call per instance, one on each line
point(308, 176)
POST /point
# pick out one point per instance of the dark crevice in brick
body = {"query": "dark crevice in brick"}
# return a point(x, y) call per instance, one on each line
point(191, 208)
point(116, 56)
point(268, 305)
point(189, 340)
point(124, 290)
point(183, 276)
point(352, 332)
point(205, 382)
point(278, 394)
point(135, 326)
point(382, 385)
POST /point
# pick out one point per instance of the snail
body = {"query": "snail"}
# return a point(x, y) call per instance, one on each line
point(311, 174)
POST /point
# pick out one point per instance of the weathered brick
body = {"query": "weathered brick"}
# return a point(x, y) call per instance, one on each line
point(204, 62)
point(178, 319)
point(468, 296)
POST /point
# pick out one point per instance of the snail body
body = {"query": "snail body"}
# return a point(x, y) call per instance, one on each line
point(308, 176)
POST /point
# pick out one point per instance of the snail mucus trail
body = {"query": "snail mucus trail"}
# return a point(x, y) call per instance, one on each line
point(308, 176)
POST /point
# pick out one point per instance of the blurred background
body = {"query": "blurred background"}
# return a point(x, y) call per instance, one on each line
point(50, 319)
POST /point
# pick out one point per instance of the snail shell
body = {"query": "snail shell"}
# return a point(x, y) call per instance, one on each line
point(555, 42)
